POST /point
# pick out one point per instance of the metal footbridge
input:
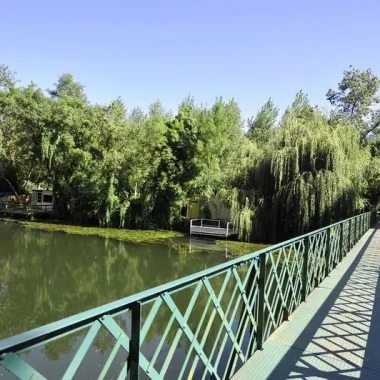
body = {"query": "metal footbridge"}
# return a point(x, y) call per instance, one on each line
point(305, 308)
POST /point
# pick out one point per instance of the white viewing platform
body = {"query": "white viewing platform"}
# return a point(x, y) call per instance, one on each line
point(211, 227)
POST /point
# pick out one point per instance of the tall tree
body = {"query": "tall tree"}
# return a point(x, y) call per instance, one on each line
point(177, 167)
point(67, 86)
point(309, 174)
point(23, 113)
point(7, 78)
point(260, 127)
point(220, 136)
point(355, 100)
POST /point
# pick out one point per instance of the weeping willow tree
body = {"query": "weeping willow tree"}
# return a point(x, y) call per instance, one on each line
point(317, 170)
point(309, 174)
point(242, 197)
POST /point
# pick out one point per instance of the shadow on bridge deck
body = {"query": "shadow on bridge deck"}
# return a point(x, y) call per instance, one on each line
point(335, 334)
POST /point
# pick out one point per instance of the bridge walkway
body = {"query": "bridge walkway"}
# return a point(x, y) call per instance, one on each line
point(335, 334)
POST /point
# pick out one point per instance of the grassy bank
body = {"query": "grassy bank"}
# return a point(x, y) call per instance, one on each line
point(131, 236)
point(238, 248)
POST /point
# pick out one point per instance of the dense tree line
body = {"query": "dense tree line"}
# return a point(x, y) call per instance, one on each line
point(280, 175)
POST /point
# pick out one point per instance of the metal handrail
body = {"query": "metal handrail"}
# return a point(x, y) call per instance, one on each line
point(202, 221)
point(230, 226)
point(337, 241)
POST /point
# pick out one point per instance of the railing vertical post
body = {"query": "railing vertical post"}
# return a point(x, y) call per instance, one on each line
point(134, 352)
point(349, 236)
point(305, 268)
point(341, 241)
point(363, 226)
point(201, 222)
point(328, 251)
point(358, 229)
point(355, 229)
point(261, 306)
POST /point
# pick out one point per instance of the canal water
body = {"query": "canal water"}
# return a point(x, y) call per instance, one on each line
point(47, 276)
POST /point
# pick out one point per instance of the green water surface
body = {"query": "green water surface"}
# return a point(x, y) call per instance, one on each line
point(48, 276)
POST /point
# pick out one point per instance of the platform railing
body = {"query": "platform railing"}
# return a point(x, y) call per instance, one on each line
point(9, 206)
point(212, 227)
point(205, 222)
point(205, 325)
point(230, 228)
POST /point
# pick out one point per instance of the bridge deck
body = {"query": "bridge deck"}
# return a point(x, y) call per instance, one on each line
point(335, 334)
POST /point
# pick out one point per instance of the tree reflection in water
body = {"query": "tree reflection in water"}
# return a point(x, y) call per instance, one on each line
point(45, 277)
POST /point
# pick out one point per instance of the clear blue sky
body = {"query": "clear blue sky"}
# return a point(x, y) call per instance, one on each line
point(147, 50)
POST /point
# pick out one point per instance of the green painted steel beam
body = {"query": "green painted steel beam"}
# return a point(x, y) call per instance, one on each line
point(19, 368)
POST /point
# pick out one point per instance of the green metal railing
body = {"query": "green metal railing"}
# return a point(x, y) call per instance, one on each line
point(205, 325)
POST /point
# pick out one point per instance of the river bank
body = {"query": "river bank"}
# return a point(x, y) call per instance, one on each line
point(235, 248)
point(130, 236)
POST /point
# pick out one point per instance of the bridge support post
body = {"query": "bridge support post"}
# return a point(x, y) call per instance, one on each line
point(261, 306)
point(305, 267)
point(134, 351)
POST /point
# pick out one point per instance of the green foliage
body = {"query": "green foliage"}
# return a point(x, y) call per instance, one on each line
point(317, 172)
point(220, 136)
point(260, 127)
point(301, 104)
point(7, 78)
point(372, 175)
point(307, 175)
point(177, 166)
point(66, 86)
point(112, 167)
point(355, 100)
point(23, 113)
point(242, 213)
